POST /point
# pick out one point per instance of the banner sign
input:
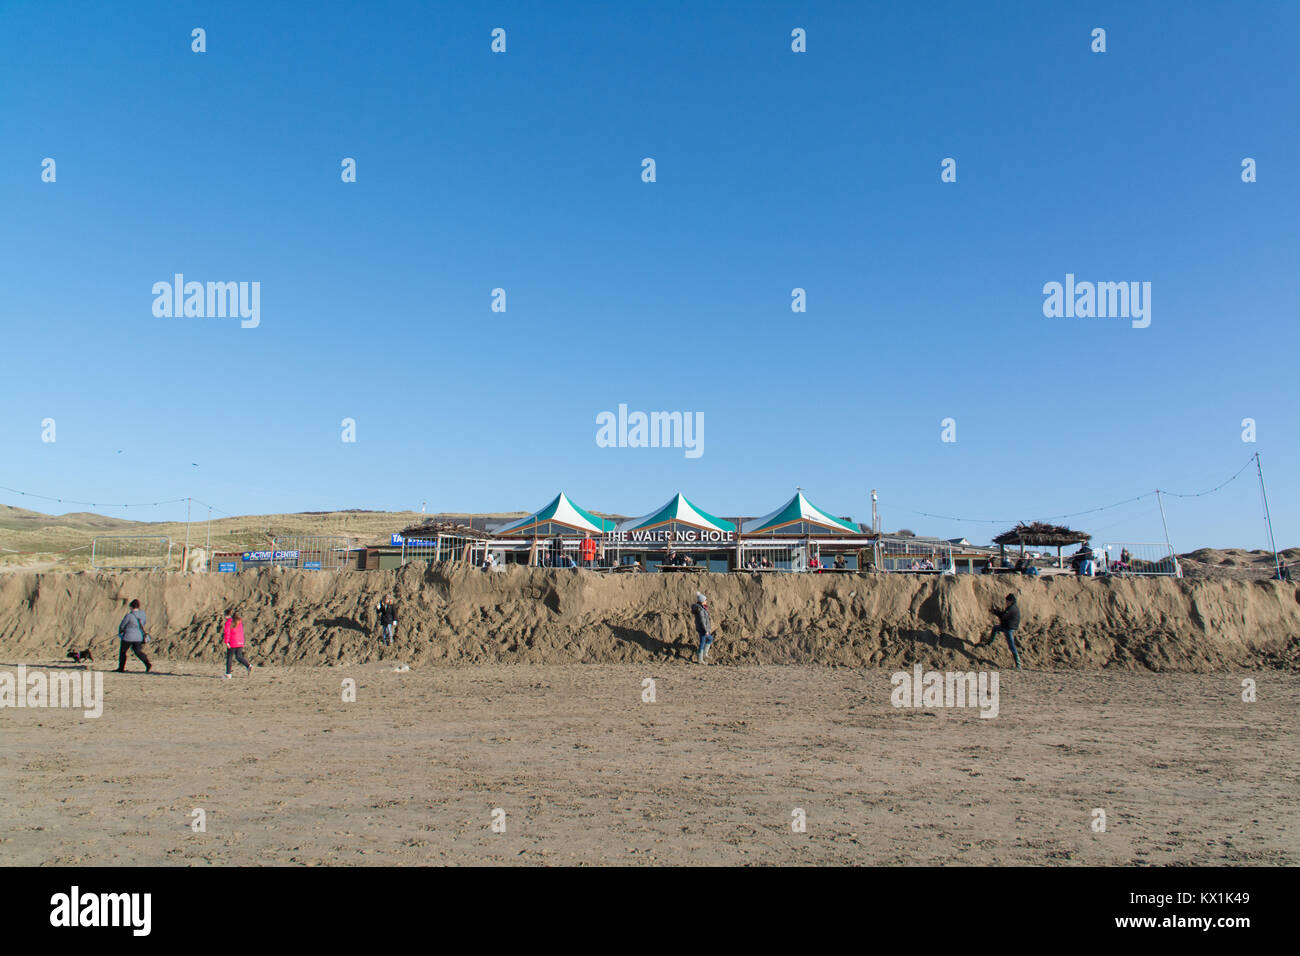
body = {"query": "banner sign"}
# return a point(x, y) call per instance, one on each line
point(226, 566)
point(250, 556)
point(688, 536)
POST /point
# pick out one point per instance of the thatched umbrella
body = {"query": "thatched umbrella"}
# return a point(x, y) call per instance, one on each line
point(443, 527)
point(1040, 534)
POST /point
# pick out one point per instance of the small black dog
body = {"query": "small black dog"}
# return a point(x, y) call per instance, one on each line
point(80, 656)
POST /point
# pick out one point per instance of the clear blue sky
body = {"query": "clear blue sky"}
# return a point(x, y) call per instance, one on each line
point(775, 170)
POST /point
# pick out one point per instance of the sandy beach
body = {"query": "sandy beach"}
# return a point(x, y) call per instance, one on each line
point(709, 773)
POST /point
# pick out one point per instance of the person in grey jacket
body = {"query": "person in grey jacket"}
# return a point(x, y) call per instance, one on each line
point(131, 633)
point(702, 624)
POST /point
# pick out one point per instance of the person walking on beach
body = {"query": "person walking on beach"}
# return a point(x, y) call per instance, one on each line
point(702, 624)
point(132, 635)
point(387, 620)
point(232, 632)
point(1008, 621)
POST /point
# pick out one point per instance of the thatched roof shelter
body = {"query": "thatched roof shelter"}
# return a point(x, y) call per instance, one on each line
point(1037, 534)
point(433, 528)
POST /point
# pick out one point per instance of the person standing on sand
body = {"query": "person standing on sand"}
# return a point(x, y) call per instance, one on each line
point(132, 635)
point(1008, 621)
point(387, 620)
point(702, 625)
point(232, 632)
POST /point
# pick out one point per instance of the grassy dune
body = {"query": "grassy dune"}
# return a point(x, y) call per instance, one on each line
point(29, 539)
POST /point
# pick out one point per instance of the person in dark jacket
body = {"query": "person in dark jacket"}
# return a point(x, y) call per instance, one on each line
point(387, 620)
point(1008, 621)
point(132, 635)
point(703, 626)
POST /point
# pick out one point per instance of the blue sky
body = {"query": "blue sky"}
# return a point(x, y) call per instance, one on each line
point(775, 170)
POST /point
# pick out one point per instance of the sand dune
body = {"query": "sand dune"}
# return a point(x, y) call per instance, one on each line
point(451, 614)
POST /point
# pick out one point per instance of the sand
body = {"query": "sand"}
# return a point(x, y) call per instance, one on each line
point(524, 692)
point(451, 614)
point(710, 773)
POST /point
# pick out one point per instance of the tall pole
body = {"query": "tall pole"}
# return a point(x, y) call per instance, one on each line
point(1277, 563)
point(1168, 545)
point(208, 544)
point(185, 554)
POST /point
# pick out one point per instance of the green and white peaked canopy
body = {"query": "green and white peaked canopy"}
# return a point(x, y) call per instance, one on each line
point(678, 511)
point(560, 515)
point(794, 516)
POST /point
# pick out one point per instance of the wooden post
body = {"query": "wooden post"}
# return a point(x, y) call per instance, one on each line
point(185, 552)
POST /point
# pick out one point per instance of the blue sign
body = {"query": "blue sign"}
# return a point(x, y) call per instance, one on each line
point(226, 566)
point(256, 556)
point(286, 555)
point(397, 541)
point(311, 565)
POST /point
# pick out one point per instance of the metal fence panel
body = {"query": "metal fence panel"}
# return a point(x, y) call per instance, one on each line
point(773, 556)
point(1124, 558)
point(310, 552)
point(907, 554)
point(130, 551)
point(445, 547)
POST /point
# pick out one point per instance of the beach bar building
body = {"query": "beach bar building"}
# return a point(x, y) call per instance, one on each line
point(683, 536)
point(551, 534)
point(679, 535)
point(790, 537)
point(679, 527)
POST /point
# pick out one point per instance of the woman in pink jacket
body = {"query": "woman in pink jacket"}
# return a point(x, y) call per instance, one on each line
point(233, 634)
